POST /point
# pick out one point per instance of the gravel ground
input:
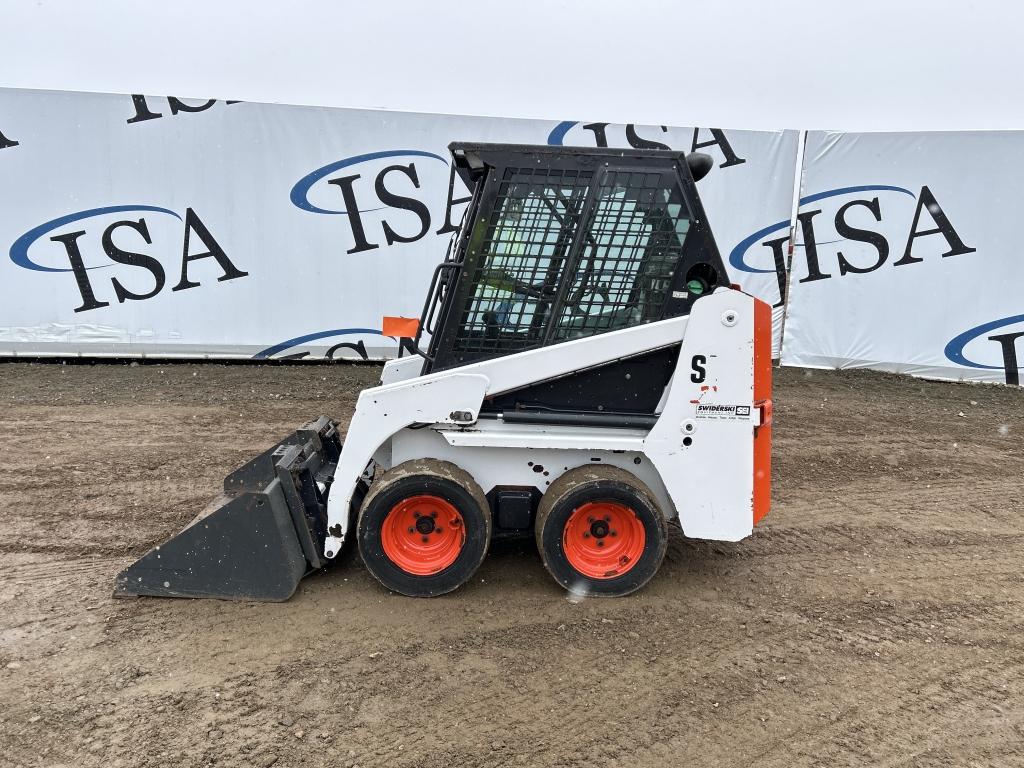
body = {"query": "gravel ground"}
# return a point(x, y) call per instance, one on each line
point(876, 617)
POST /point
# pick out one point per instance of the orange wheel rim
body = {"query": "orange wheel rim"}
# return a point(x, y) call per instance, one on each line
point(423, 534)
point(603, 539)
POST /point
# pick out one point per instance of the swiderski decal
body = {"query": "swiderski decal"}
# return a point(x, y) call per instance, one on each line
point(716, 411)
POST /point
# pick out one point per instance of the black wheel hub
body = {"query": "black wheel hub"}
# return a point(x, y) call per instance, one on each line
point(425, 524)
point(599, 529)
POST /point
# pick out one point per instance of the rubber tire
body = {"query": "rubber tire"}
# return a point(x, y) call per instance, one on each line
point(599, 483)
point(412, 478)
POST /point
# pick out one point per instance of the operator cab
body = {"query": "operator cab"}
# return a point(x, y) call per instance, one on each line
point(569, 242)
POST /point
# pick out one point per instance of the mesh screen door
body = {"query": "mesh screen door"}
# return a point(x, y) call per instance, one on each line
point(525, 250)
point(633, 242)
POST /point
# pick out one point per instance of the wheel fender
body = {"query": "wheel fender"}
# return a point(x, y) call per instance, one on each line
point(380, 413)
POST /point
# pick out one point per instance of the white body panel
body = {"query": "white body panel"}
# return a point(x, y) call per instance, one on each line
point(402, 369)
point(697, 458)
point(486, 435)
point(501, 465)
point(711, 480)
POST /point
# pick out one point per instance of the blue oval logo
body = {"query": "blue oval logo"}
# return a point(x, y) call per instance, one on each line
point(19, 249)
point(738, 255)
point(955, 349)
point(300, 192)
point(557, 135)
point(300, 340)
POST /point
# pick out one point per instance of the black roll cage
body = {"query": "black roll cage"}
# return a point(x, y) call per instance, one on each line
point(483, 168)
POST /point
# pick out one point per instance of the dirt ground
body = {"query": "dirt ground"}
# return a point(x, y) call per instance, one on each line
point(875, 618)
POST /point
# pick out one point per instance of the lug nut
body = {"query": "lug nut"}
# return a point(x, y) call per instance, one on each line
point(586, 534)
point(438, 529)
point(426, 539)
point(416, 515)
point(433, 514)
point(600, 543)
point(607, 518)
point(613, 533)
point(590, 519)
point(411, 529)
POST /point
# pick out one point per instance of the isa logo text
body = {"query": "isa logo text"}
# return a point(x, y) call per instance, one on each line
point(386, 198)
point(125, 253)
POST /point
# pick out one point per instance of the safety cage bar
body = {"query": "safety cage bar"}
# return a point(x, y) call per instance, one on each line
point(444, 275)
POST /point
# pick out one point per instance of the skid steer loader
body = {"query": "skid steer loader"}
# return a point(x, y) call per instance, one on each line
point(582, 372)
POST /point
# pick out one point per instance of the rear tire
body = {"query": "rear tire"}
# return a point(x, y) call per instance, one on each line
point(424, 528)
point(600, 531)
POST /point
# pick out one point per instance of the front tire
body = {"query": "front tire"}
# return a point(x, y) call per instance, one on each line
point(424, 528)
point(600, 531)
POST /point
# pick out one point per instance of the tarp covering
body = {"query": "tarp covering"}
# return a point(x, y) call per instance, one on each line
point(907, 257)
point(165, 227)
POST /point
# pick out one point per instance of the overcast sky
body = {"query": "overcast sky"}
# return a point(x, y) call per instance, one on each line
point(856, 65)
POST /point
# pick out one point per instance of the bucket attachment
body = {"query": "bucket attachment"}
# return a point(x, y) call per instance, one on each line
point(260, 538)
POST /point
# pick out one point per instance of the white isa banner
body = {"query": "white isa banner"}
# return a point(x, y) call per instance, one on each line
point(908, 256)
point(167, 227)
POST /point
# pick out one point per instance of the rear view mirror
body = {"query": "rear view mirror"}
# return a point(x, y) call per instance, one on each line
point(699, 164)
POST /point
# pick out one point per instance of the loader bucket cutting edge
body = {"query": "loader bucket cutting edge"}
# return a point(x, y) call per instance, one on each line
point(260, 538)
